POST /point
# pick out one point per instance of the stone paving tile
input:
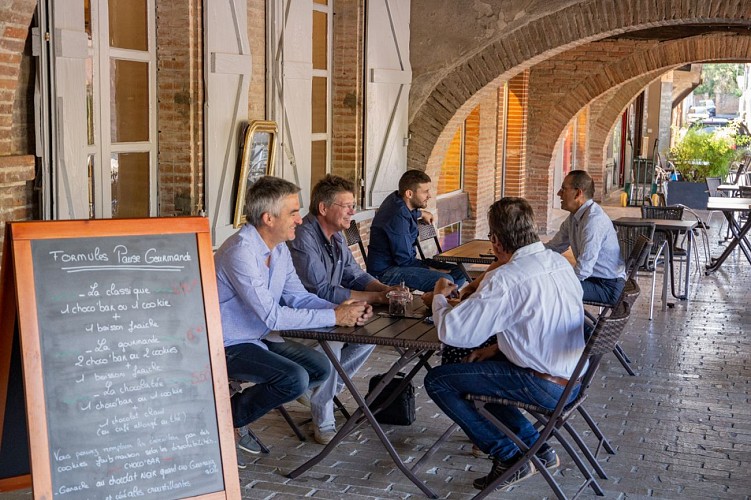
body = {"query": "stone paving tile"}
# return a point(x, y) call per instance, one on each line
point(681, 427)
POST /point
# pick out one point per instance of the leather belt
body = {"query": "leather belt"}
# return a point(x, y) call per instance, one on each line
point(563, 382)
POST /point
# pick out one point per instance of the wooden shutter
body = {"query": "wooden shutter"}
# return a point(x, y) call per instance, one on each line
point(388, 80)
point(291, 87)
point(227, 69)
point(69, 172)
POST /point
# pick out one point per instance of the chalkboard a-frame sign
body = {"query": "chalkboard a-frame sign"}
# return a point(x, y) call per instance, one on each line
point(119, 338)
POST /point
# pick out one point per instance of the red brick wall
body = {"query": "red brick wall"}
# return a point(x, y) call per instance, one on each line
point(179, 32)
point(257, 39)
point(347, 89)
point(516, 136)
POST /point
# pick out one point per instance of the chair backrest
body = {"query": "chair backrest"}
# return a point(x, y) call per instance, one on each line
point(352, 235)
point(712, 184)
point(744, 191)
point(635, 240)
point(603, 339)
point(667, 213)
point(742, 169)
point(426, 231)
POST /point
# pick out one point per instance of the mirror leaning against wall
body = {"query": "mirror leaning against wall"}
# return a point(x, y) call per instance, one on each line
point(257, 160)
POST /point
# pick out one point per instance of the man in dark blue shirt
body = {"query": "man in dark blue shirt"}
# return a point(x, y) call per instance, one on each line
point(391, 252)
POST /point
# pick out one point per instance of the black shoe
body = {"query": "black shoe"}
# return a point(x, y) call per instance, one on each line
point(499, 467)
point(548, 457)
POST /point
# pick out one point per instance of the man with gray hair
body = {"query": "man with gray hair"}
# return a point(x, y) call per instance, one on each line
point(259, 292)
point(532, 303)
point(327, 268)
point(593, 241)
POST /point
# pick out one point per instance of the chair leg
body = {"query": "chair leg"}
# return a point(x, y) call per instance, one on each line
point(264, 449)
point(625, 362)
point(291, 423)
point(602, 441)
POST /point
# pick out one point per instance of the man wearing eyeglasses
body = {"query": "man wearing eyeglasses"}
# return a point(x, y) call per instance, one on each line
point(327, 268)
point(593, 241)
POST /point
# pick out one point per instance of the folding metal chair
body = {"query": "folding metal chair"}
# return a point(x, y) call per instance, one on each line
point(635, 240)
point(235, 387)
point(628, 234)
point(602, 340)
point(674, 252)
point(352, 235)
point(427, 232)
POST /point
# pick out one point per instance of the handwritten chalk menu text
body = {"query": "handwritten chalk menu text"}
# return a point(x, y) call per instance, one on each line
point(126, 367)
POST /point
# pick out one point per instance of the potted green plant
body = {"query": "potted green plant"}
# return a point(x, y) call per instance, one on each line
point(696, 156)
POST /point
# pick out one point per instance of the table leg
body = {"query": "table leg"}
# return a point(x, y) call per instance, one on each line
point(364, 410)
point(739, 238)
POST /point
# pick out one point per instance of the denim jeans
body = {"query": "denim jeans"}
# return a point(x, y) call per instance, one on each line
point(352, 357)
point(422, 278)
point(279, 375)
point(603, 290)
point(447, 385)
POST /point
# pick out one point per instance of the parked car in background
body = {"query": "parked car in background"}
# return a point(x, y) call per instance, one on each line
point(709, 105)
point(696, 113)
point(733, 129)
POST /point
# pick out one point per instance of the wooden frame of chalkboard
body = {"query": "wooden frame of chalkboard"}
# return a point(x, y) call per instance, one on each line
point(123, 361)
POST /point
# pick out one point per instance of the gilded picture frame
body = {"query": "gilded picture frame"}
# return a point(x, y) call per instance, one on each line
point(257, 160)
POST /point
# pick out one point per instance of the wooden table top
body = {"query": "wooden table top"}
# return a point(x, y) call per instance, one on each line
point(472, 252)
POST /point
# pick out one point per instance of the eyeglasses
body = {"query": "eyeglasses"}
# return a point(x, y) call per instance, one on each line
point(347, 206)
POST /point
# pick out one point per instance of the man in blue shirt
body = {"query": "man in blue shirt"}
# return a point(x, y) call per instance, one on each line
point(593, 241)
point(391, 252)
point(259, 292)
point(327, 268)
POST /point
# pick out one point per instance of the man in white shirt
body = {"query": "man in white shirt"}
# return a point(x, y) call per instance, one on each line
point(532, 302)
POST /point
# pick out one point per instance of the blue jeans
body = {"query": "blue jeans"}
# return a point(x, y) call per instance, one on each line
point(422, 278)
point(447, 385)
point(279, 375)
point(603, 290)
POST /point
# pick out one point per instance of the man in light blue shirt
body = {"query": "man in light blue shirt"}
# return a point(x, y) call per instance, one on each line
point(327, 268)
point(259, 292)
point(593, 241)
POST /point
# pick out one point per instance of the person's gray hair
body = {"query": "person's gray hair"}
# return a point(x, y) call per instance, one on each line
point(266, 196)
point(512, 222)
point(580, 179)
point(326, 189)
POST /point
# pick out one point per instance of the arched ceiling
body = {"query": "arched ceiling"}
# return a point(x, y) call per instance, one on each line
point(482, 42)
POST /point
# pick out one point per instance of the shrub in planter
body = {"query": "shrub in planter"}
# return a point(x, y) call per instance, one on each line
point(699, 155)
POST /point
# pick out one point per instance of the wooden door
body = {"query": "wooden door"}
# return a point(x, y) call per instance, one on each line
point(227, 69)
point(388, 80)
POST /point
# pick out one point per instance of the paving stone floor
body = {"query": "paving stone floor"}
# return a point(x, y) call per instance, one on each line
point(682, 426)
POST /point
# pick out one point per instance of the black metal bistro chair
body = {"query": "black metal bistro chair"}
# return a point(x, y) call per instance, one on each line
point(602, 341)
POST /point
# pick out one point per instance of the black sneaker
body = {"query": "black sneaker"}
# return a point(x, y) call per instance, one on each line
point(499, 467)
point(548, 457)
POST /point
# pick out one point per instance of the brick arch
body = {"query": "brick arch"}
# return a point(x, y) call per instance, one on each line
point(632, 73)
point(15, 19)
point(605, 112)
point(540, 39)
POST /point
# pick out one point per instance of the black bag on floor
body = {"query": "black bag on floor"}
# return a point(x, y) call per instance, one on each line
point(402, 410)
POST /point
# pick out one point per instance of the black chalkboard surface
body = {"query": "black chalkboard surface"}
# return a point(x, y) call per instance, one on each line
point(130, 376)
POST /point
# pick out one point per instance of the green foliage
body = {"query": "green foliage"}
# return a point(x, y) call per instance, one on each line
point(699, 155)
point(719, 79)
